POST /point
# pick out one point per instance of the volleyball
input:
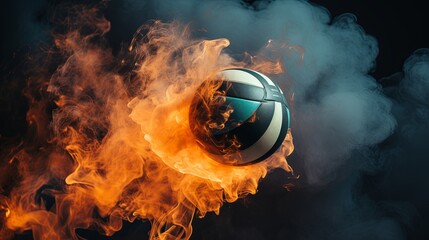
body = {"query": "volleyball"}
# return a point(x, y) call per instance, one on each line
point(240, 117)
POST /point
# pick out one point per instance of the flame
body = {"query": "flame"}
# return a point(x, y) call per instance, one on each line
point(118, 144)
point(208, 114)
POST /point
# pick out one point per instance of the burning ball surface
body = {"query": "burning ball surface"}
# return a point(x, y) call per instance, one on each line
point(241, 117)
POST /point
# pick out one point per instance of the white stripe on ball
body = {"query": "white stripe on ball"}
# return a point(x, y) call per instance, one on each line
point(239, 76)
point(267, 140)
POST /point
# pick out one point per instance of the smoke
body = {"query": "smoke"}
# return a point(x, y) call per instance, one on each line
point(360, 148)
point(338, 106)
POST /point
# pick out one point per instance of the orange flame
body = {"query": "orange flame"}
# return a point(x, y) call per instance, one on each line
point(207, 112)
point(120, 144)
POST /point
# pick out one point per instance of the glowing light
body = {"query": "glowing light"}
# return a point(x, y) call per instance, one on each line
point(6, 212)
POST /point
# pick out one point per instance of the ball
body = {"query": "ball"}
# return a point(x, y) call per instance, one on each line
point(239, 117)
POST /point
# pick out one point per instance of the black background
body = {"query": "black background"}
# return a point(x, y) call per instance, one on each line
point(274, 213)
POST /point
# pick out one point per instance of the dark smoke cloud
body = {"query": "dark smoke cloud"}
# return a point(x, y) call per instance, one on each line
point(361, 149)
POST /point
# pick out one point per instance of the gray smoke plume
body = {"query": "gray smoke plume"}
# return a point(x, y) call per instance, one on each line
point(338, 106)
point(358, 180)
point(360, 149)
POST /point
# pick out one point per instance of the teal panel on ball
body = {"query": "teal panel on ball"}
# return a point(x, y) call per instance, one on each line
point(243, 108)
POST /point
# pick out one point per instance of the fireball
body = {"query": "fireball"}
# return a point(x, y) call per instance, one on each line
point(121, 144)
